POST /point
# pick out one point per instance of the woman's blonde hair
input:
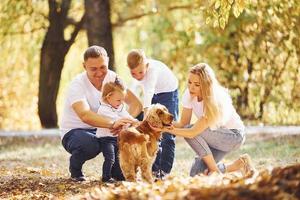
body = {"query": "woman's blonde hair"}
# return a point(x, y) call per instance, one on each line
point(216, 100)
point(111, 87)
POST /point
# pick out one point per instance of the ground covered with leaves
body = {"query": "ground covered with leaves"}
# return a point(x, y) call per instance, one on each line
point(37, 168)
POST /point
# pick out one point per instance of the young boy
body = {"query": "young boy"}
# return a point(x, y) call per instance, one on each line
point(111, 106)
point(159, 86)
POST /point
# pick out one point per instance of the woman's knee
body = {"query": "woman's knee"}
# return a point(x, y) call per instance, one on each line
point(238, 142)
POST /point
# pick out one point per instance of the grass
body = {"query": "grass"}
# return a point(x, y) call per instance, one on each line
point(44, 159)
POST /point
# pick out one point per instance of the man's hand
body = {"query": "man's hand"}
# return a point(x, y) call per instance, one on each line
point(121, 122)
point(118, 125)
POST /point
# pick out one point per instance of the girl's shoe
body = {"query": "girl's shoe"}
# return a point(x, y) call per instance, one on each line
point(78, 179)
point(109, 180)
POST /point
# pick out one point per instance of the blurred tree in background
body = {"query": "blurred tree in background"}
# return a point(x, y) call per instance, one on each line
point(255, 55)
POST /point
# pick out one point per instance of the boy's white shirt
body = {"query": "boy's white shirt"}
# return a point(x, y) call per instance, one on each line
point(81, 89)
point(112, 113)
point(233, 122)
point(158, 79)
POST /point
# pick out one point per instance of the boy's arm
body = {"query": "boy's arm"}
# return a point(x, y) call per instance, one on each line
point(149, 87)
point(135, 105)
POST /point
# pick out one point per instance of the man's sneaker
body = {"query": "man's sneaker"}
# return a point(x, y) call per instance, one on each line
point(78, 179)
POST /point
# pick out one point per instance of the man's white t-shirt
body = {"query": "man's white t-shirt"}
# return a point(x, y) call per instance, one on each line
point(112, 113)
point(81, 89)
point(233, 122)
point(158, 79)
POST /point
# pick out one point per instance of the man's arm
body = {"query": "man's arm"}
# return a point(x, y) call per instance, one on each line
point(83, 111)
point(135, 105)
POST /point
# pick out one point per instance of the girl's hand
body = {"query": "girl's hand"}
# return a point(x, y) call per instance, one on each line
point(135, 123)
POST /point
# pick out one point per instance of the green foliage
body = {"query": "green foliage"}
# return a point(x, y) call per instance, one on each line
point(258, 53)
point(21, 33)
point(218, 11)
point(256, 56)
point(22, 29)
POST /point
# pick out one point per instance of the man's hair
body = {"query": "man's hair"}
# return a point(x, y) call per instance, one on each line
point(135, 58)
point(94, 52)
point(111, 87)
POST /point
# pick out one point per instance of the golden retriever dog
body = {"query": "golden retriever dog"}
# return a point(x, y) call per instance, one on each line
point(138, 145)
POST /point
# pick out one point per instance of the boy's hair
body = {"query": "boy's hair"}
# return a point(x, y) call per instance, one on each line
point(111, 87)
point(135, 58)
point(94, 52)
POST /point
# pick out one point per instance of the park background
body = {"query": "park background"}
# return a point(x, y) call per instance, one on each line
point(253, 46)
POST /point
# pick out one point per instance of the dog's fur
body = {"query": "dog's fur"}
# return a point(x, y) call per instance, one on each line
point(138, 146)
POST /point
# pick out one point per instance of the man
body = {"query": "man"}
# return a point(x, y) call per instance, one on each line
point(80, 118)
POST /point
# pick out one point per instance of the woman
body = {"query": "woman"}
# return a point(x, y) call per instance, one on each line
point(218, 130)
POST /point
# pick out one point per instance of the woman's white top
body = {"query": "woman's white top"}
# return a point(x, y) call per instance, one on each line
point(108, 111)
point(158, 79)
point(81, 89)
point(233, 120)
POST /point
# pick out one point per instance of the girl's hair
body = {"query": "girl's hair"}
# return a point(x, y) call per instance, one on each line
point(111, 87)
point(217, 102)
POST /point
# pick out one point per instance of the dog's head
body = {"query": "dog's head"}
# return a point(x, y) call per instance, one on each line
point(159, 116)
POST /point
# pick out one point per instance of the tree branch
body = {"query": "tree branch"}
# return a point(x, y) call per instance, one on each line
point(78, 27)
point(138, 16)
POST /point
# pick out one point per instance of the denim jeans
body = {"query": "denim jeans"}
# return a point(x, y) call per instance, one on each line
point(166, 153)
point(110, 153)
point(83, 145)
point(214, 142)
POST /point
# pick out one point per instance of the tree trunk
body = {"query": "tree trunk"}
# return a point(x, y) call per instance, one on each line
point(99, 27)
point(53, 52)
point(52, 60)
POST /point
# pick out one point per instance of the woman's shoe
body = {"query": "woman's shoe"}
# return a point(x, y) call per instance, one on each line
point(247, 169)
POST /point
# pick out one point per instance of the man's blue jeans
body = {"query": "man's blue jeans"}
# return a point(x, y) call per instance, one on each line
point(83, 145)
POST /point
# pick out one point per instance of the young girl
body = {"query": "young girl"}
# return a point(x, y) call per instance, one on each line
point(111, 106)
point(218, 130)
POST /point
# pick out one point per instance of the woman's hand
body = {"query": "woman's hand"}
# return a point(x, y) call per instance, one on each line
point(163, 129)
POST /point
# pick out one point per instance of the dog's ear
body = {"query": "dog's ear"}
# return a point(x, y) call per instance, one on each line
point(159, 111)
point(154, 120)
